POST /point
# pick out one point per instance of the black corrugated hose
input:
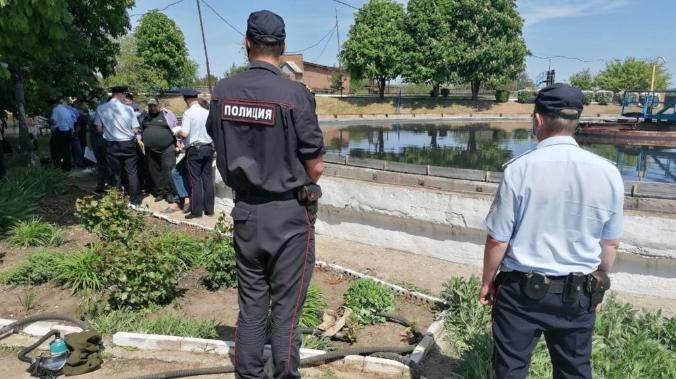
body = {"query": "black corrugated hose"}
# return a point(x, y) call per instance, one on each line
point(42, 317)
point(305, 362)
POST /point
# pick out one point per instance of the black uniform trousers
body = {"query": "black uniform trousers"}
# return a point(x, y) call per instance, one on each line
point(60, 145)
point(518, 323)
point(122, 158)
point(275, 245)
point(160, 163)
point(99, 148)
point(199, 161)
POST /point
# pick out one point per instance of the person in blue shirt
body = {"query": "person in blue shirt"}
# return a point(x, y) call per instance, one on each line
point(553, 232)
point(62, 121)
point(122, 133)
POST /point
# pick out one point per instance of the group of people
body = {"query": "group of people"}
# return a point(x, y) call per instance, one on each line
point(143, 151)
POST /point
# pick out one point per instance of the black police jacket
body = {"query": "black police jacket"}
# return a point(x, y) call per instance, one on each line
point(264, 127)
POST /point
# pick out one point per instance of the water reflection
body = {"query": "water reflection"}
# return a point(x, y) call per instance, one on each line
point(481, 146)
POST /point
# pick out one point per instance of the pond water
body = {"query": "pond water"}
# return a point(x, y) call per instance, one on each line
point(482, 146)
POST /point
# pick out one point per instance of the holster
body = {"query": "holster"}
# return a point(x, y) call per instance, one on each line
point(573, 286)
point(535, 285)
point(597, 284)
point(309, 196)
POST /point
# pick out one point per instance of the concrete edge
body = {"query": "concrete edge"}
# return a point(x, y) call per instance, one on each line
point(428, 299)
point(426, 344)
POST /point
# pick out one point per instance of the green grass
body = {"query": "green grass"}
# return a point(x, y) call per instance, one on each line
point(35, 232)
point(170, 323)
point(81, 271)
point(626, 344)
point(317, 343)
point(191, 251)
point(38, 269)
point(313, 308)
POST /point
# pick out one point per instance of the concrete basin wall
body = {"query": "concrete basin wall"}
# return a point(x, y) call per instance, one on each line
point(443, 218)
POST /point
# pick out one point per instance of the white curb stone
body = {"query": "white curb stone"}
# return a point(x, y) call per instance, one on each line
point(40, 328)
point(385, 366)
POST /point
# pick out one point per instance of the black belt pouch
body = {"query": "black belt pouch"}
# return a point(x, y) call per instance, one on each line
point(574, 285)
point(535, 285)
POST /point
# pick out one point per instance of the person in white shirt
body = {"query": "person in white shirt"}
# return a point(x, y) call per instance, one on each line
point(121, 131)
point(199, 155)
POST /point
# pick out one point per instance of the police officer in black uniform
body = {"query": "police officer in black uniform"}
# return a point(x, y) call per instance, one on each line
point(269, 150)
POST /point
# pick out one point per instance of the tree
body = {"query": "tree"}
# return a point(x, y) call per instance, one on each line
point(582, 80)
point(235, 69)
point(54, 48)
point(337, 82)
point(632, 74)
point(131, 71)
point(429, 51)
point(375, 43)
point(486, 39)
point(160, 45)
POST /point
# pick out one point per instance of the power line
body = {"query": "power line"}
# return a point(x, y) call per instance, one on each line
point(569, 58)
point(316, 43)
point(345, 4)
point(325, 45)
point(222, 18)
point(161, 10)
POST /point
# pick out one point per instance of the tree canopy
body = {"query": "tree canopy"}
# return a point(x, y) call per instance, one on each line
point(583, 80)
point(429, 51)
point(55, 48)
point(375, 43)
point(632, 74)
point(160, 46)
point(486, 39)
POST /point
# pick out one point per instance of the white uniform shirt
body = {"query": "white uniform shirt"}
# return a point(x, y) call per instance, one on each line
point(554, 206)
point(195, 125)
point(117, 120)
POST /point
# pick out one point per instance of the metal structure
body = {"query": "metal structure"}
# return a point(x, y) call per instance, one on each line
point(651, 106)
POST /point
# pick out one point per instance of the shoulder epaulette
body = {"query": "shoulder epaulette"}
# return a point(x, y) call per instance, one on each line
point(517, 157)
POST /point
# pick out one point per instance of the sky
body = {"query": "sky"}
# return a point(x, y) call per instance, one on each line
point(593, 31)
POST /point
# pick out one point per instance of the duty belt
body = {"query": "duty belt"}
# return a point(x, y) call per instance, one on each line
point(261, 196)
point(199, 145)
point(556, 283)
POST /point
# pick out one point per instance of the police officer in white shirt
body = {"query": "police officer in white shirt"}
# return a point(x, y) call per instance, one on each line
point(553, 231)
point(121, 131)
point(199, 155)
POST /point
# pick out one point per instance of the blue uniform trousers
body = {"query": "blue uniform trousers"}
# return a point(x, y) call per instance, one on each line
point(518, 323)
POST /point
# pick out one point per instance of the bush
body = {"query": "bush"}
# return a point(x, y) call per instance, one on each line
point(525, 96)
point(367, 298)
point(445, 92)
point(109, 217)
point(81, 271)
point(35, 232)
point(138, 276)
point(465, 316)
point(317, 343)
point(139, 321)
point(38, 269)
point(313, 308)
point(588, 97)
point(220, 264)
point(501, 96)
point(604, 97)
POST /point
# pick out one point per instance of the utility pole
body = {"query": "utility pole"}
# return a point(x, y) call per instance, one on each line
point(204, 42)
point(340, 67)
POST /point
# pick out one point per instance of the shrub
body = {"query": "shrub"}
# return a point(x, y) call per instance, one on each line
point(39, 268)
point(189, 250)
point(17, 204)
point(109, 217)
point(465, 316)
point(604, 97)
point(138, 276)
point(502, 96)
point(35, 232)
point(81, 271)
point(220, 264)
point(445, 92)
point(317, 343)
point(525, 96)
point(588, 97)
point(313, 308)
point(367, 298)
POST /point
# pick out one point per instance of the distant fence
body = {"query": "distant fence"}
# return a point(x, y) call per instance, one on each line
point(631, 188)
